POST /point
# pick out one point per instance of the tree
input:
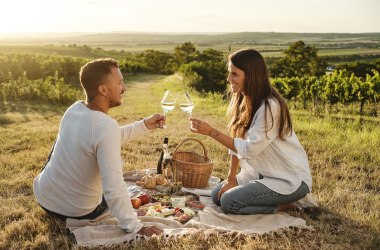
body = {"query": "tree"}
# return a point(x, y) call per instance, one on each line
point(360, 69)
point(185, 53)
point(211, 55)
point(207, 73)
point(300, 60)
point(158, 62)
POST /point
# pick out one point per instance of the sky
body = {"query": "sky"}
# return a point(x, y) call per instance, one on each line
point(190, 16)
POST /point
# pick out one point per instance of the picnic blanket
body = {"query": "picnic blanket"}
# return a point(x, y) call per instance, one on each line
point(104, 230)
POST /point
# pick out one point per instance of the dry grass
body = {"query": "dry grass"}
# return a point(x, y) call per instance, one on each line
point(343, 156)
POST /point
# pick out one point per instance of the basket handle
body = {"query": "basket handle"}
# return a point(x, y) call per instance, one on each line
point(191, 139)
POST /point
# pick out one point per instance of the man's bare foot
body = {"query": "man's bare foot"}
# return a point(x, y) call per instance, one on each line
point(285, 207)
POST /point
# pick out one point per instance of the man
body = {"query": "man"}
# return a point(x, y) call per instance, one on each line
point(84, 172)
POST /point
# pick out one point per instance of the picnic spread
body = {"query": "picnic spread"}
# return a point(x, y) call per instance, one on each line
point(158, 192)
point(154, 196)
point(104, 230)
point(177, 200)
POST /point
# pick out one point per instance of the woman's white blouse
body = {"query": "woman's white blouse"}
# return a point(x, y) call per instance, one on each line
point(282, 164)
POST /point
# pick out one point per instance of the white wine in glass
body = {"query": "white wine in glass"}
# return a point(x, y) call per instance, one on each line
point(168, 103)
point(186, 103)
point(167, 106)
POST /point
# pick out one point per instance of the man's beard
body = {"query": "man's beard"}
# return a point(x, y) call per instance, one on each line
point(113, 104)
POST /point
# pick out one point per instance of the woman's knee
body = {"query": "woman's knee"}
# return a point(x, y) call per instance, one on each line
point(215, 193)
point(229, 204)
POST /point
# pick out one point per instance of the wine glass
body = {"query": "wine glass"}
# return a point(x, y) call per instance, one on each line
point(186, 103)
point(168, 103)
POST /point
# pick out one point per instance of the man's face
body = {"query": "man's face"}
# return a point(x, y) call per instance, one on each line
point(116, 87)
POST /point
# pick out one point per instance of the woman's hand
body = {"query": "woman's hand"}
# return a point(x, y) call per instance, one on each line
point(155, 121)
point(200, 127)
point(149, 231)
point(228, 184)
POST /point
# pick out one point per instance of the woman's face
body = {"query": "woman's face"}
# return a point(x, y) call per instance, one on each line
point(236, 78)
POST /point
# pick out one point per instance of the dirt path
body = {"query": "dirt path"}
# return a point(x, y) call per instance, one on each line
point(139, 99)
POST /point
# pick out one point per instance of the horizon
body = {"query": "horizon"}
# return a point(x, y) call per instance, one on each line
point(170, 32)
point(195, 17)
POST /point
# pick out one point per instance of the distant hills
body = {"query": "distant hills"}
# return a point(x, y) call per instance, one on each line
point(136, 38)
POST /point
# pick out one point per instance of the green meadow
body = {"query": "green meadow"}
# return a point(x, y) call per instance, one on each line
point(342, 151)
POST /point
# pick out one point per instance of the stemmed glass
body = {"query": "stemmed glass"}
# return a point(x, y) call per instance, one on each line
point(186, 103)
point(168, 103)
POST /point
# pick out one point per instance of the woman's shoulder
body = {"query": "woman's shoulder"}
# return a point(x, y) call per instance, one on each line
point(273, 103)
point(274, 108)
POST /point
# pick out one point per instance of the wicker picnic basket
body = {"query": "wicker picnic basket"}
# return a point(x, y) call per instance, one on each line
point(192, 169)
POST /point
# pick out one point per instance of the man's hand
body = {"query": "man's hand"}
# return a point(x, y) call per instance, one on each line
point(155, 121)
point(227, 186)
point(149, 231)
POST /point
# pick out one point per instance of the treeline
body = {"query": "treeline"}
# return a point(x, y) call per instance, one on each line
point(337, 45)
point(299, 75)
point(332, 59)
point(360, 69)
point(328, 90)
point(14, 66)
point(204, 71)
point(36, 78)
point(50, 89)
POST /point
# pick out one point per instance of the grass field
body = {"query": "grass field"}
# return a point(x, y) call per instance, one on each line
point(343, 155)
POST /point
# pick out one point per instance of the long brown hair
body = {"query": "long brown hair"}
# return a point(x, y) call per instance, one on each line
point(257, 89)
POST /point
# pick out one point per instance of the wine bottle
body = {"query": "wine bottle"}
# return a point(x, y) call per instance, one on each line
point(167, 164)
point(160, 160)
point(167, 157)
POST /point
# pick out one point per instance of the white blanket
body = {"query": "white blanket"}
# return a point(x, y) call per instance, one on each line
point(105, 231)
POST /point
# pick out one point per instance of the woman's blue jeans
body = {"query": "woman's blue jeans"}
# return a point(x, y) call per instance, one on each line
point(254, 198)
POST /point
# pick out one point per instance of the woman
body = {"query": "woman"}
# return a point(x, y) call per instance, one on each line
point(274, 166)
